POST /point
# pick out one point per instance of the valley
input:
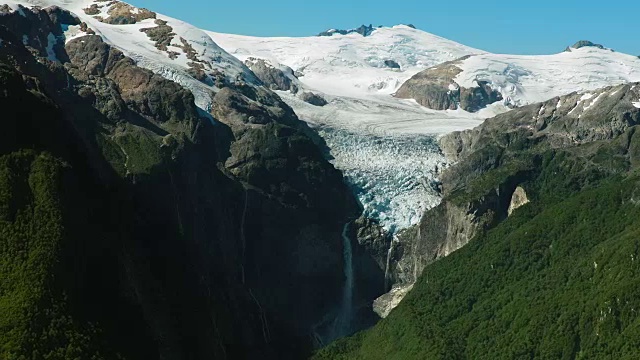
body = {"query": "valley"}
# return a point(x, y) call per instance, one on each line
point(171, 192)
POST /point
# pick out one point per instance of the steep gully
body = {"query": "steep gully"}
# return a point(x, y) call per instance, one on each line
point(347, 294)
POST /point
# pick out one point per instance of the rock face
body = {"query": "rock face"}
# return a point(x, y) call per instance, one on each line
point(185, 237)
point(436, 89)
point(119, 13)
point(580, 226)
point(374, 239)
point(362, 30)
point(276, 78)
point(584, 43)
point(313, 99)
point(489, 181)
point(389, 301)
point(391, 64)
point(518, 199)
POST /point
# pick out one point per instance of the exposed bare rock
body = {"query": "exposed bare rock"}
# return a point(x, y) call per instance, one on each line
point(189, 51)
point(161, 35)
point(374, 239)
point(436, 89)
point(488, 182)
point(387, 302)
point(190, 216)
point(518, 199)
point(121, 14)
point(276, 78)
point(92, 10)
point(584, 43)
point(391, 64)
point(313, 99)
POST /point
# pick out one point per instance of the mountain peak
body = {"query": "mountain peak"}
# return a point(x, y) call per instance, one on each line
point(584, 43)
point(363, 30)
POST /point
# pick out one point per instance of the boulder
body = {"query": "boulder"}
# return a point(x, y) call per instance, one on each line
point(313, 99)
point(391, 64)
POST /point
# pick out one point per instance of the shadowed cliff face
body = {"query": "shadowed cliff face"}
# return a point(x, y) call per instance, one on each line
point(181, 237)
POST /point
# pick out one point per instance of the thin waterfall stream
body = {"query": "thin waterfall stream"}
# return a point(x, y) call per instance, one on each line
point(346, 309)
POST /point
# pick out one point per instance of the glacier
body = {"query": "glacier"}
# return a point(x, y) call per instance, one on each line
point(393, 176)
point(385, 146)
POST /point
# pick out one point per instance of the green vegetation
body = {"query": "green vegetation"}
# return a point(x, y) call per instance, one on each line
point(551, 282)
point(142, 151)
point(559, 279)
point(34, 320)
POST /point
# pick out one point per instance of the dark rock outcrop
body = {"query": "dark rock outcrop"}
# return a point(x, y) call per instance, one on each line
point(313, 99)
point(186, 238)
point(275, 78)
point(161, 34)
point(479, 189)
point(391, 64)
point(374, 238)
point(436, 89)
point(584, 43)
point(362, 30)
point(119, 13)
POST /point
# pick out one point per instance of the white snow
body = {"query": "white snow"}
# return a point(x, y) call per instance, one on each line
point(586, 96)
point(351, 65)
point(595, 101)
point(383, 144)
point(527, 79)
point(392, 176)
point(636, 104)
point(347, 70)
point(72, 31)
point(135, 44)
point(386, 148)
point(16, 7)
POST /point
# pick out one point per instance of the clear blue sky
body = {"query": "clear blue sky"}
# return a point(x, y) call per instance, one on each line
point(520, 27)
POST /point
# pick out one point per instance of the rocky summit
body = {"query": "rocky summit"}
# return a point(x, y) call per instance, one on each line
point(168, 192)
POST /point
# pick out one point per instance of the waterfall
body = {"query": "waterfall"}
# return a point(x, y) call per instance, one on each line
point(345, 316)
point(386, 268)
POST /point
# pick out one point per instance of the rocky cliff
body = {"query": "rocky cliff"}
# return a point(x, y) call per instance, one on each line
point(436, 89)
point(166, 233)
point(539, 214)
point(495, 164)
point(363, 30)
point(279, 77)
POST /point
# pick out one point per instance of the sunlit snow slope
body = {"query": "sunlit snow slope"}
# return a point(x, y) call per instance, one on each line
point(189, 48)
point(351, 65)
point(381, 142)
point(529, 79)
point(384, 145)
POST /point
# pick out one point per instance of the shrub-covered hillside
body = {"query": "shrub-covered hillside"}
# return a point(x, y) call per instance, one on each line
point(559, 278)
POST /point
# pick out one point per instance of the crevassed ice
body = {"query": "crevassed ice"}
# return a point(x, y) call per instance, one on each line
point(393, 176)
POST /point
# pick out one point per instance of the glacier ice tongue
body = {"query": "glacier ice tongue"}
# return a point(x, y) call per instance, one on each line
point(393, 176)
